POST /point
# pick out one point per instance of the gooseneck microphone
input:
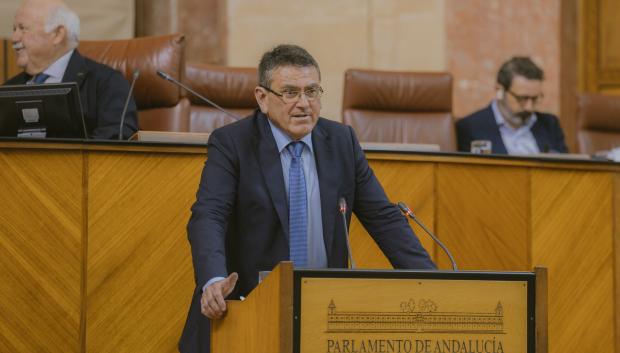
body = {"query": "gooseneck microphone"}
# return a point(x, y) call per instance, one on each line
point(342, 208)
point(405, 209)
point(136, 74)
point(169, 78)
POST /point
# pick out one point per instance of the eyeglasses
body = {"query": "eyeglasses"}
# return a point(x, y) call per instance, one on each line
point(293, 96)
point(522, 100)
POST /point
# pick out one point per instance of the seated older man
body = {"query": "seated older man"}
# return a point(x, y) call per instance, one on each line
point(45, 38)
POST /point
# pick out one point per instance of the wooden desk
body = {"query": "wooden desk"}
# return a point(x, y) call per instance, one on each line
point(95, 256)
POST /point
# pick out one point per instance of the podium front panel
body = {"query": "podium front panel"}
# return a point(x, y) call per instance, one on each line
point(355, 311)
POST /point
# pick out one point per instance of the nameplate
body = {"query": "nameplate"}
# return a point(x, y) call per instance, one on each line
point(359, 315)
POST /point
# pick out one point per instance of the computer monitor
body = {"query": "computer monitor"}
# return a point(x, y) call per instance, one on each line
point(48, 110)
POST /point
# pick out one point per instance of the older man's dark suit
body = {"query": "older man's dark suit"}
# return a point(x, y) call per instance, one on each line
point(481, 125)
point(103, 92)
point(239, 222)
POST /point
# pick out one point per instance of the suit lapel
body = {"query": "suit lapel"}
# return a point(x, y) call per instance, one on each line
point(328, 182)
point(540, 135)
point(497, 144)
point(76, 69)
point(20, 79)
point(271, 167)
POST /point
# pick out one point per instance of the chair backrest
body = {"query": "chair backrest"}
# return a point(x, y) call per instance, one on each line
point(598, 122)
point(405, 107)
point(160, 103)
point(232, 88)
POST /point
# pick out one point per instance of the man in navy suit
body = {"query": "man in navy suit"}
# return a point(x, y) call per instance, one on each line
point(45, 38)
point(510, 122)
point(247, 216)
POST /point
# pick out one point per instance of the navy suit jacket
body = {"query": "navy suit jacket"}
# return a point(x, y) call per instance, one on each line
point(103, 92)
point(481, 125)
point(239, 221)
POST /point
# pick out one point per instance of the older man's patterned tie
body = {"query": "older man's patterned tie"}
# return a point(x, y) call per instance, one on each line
point(298, 213)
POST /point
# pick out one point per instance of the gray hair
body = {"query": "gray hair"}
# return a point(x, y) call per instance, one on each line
point(63, 16)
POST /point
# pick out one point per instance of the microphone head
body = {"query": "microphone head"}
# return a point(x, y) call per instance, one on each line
point(164, 75)
point(136, 74)
point(342, 205)
point(404, 208)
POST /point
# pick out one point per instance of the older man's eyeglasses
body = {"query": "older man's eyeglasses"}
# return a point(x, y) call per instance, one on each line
point(293, 96)
point(522, 100)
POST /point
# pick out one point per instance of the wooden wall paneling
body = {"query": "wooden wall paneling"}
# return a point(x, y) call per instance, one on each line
point(8, 65)
point(204, 23)
point(482, 216)
point(587, 44)
point(600, 51)
point(609, 46)
point(572, 226)
point(41, 247)
point(207, 38)
point(410, 182)
point(139, 262)
point(156, 17)
point(11, 62)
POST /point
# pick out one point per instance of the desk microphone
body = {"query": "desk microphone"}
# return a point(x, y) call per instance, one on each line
point(136, 73)
point(403, 207)
point(169, 78)
point(342, 208)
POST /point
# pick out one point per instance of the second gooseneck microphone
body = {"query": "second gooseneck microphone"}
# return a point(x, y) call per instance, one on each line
point(405, 209)
point(342, 208)
point(136, 74)
point(169, 78)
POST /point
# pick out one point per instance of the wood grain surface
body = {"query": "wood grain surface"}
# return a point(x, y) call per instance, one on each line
point(95, 255)
point(140, 277)
point(40, 250)
point(269, 307)
point(572, 227)
point(412, 183)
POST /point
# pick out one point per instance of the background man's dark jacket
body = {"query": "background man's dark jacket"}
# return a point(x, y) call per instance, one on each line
point(481, 125)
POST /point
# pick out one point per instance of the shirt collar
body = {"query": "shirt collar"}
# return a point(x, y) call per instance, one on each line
point(58, 67)
point(500, 121)
point(282, 139)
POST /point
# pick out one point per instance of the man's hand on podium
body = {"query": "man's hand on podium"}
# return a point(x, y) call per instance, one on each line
point(212, 303)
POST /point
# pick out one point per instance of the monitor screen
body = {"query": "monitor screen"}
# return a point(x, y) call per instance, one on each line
point(48, 110)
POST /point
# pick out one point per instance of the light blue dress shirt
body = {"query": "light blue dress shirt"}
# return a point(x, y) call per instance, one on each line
point(516, 141)
point(56, 71)
point(317, 257)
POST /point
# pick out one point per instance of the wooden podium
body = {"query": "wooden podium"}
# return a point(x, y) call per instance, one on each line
point(337, 311)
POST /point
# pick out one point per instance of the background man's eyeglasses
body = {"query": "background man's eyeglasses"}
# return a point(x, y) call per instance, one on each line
point(523, 99)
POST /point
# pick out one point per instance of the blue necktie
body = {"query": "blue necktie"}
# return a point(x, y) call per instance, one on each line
point(40, 78)
point(298, 214)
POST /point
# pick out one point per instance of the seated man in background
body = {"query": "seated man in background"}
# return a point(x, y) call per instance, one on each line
point(45, 38)
point(270, 192)
point(510, 122)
